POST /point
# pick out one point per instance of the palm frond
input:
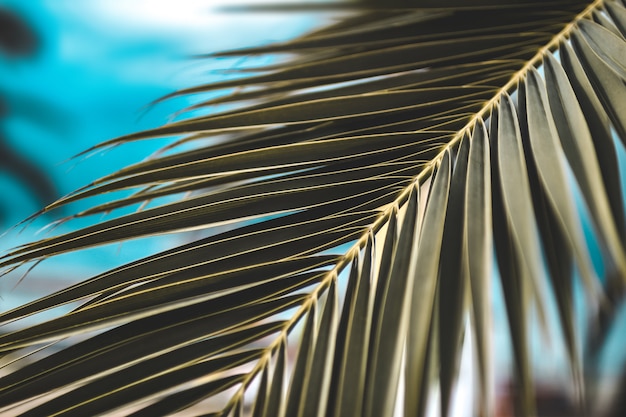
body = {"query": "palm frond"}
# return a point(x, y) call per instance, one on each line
point(397, 148)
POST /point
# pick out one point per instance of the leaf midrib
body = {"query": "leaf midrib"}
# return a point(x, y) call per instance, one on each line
point(386, 212)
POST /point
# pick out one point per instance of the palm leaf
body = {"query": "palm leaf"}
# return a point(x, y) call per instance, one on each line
point(393, 148)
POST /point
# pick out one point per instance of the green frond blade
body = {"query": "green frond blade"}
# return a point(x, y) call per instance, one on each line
point(364, 157)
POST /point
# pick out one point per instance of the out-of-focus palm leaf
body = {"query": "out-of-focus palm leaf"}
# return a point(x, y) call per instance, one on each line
point(16, 37)
point(370, 150)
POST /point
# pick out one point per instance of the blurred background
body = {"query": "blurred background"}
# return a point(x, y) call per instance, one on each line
point(74, 74)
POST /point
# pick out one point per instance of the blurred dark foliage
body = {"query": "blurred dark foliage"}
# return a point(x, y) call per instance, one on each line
point(18, 39)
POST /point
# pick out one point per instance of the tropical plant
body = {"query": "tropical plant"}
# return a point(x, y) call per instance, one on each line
point(363, 187)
